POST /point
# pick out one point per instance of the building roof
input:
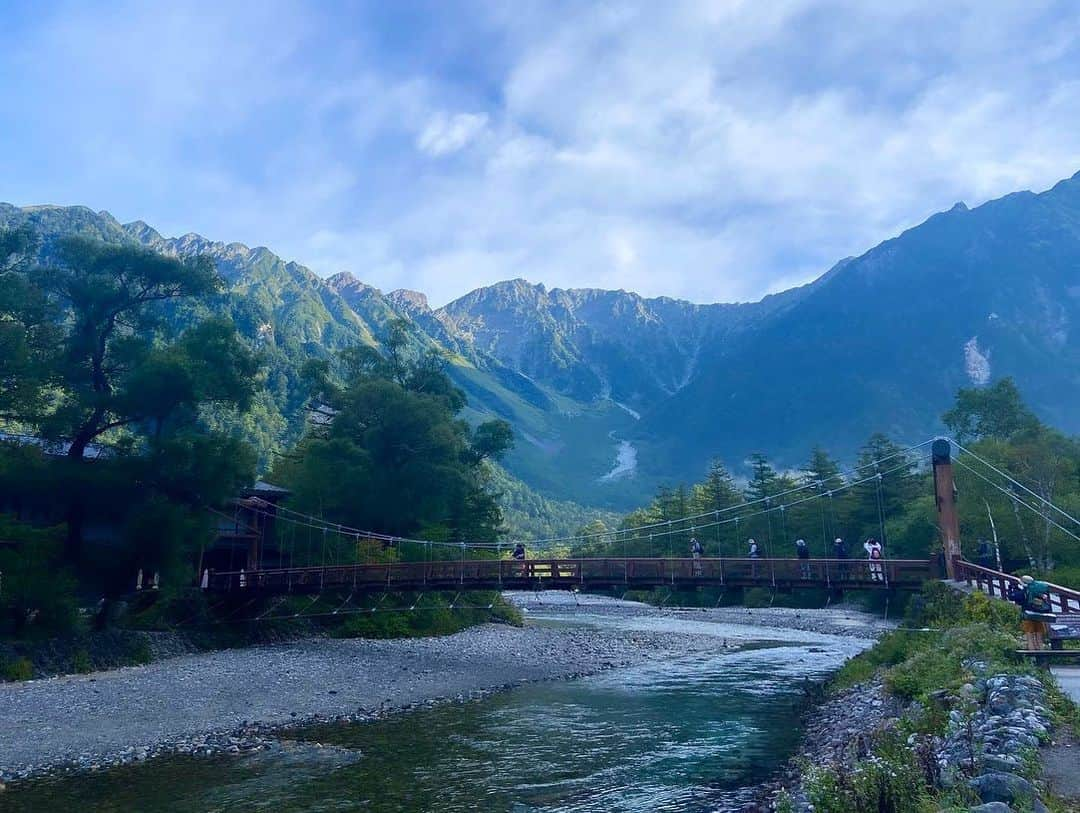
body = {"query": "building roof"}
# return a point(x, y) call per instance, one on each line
point(54, 448)
point(266, 490)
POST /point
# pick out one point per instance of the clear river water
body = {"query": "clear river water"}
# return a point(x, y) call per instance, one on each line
point(682, 734)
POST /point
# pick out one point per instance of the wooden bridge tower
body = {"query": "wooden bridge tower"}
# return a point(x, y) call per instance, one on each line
point(945, 493)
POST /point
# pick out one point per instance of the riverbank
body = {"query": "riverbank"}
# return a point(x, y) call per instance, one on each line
point(942, 717)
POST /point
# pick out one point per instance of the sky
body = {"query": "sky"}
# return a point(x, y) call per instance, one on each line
point(710, 150)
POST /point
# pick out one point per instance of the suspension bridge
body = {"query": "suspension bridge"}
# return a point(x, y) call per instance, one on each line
point(463, 566)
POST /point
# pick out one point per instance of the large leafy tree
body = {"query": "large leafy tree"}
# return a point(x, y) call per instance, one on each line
point(112, 369)
point(997, 411)
point(27, 331)
point(111, 372)
point(394, 457)
point(766, 490)
point(1003, 430)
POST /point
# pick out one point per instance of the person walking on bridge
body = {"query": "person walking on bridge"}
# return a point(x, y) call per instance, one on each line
point(802, 550)
point(839, 552)
point(518, 555)
point(754, 555)
point(874, 555)
point(695, 554)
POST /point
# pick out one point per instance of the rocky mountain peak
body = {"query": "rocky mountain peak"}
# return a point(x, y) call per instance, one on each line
point(409, 300)
point(346, 281)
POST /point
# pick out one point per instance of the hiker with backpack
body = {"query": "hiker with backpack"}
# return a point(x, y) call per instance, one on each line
point(874, 555)
point(1038, 613)
point(802, 550)
point(695, 554)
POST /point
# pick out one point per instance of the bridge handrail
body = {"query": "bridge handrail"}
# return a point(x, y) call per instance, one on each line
point(315, 568)
point(495, 573)
point(1062, 599)
point(547, 561)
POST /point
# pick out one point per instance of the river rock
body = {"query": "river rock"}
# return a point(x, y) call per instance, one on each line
point(992, 807)
point(1002, 787)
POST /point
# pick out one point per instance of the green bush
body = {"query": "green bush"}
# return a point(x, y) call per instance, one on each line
point(889, 782)
point(140, 652)
point(756, 597)
point(38, 597)
point(18, 669)
point(1066, 576)
point(892, 649)
point(942, 666)
point(81, 663)
point(979, 608)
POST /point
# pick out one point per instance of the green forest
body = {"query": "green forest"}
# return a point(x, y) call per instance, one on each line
point(122, 434)
point(888, 495)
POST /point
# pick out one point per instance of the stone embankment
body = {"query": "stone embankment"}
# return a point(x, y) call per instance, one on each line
point(996, 726)
point(992, 742)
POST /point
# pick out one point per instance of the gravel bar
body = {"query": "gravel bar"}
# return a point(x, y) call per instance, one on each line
point(233, 700)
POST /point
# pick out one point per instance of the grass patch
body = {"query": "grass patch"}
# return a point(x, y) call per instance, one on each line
point(17, 669)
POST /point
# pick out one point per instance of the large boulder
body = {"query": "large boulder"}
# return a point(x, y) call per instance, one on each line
point(1003, 787)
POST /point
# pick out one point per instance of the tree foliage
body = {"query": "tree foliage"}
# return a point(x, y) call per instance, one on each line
point(395, 458)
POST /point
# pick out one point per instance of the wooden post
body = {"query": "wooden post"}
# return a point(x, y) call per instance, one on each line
point(945, 492)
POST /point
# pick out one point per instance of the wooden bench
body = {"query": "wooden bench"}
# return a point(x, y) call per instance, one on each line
point(1064, 628)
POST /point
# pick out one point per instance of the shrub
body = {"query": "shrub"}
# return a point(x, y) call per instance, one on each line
point(889, 782)
point(80, 662)
point(891, 650)
point(784, 803)
point(979, 608)
point(942, 666)
point(756, 597)
point(937, 606)
point(1066, 576)
point(38, 595)
point(18, 669)
point(140, 652)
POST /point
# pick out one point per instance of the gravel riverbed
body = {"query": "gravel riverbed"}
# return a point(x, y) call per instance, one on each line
point(235, 700)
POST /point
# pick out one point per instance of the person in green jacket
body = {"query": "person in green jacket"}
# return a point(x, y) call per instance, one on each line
point(1037, 613)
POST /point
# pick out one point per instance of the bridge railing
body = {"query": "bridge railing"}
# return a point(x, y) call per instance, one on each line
point(564, 573)
point(994, 583)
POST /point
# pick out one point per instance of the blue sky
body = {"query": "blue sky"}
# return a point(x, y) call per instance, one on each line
point(713, 151)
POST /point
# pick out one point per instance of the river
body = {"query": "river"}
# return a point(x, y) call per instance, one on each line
point(690, 733)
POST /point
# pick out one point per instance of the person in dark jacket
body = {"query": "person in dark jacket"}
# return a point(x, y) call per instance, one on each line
point(839, 551)
point(802, 550)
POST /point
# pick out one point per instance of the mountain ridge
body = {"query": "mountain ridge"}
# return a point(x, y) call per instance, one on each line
point(878, 341)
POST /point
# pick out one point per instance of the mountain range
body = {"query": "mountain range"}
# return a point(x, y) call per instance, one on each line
point(611, 393)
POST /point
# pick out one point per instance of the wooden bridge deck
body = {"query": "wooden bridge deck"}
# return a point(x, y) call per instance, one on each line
point(585, 574)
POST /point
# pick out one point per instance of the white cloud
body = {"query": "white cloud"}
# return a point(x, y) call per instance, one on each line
point(708, 149)
point(444, 134)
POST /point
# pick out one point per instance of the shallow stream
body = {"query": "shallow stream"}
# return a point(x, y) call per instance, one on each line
point(681, 734)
